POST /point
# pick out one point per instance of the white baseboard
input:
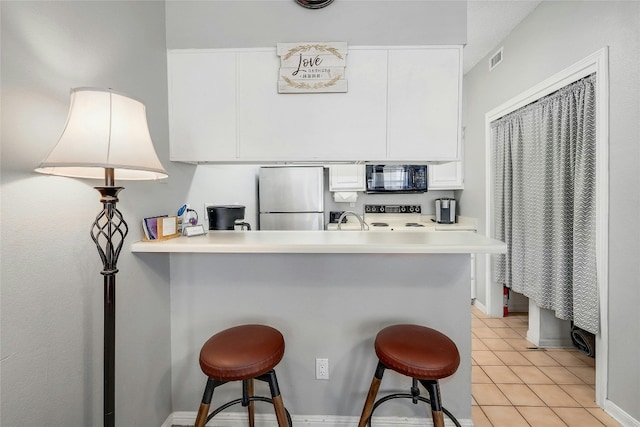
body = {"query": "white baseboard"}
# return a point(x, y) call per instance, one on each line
point(519, 307)
point(480, 306)
point(549, 342)
point(619, 415)
point(237, 419)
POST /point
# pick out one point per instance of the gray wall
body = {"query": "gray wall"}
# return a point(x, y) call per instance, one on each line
point(51, 305)
point(326, 305)
point(554, 36)
point(219, 24)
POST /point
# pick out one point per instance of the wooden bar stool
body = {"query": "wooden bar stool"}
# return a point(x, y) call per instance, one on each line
point(243, 353)
point(421, 353)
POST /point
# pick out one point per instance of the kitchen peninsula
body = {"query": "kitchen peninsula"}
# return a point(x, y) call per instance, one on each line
point(329, 293)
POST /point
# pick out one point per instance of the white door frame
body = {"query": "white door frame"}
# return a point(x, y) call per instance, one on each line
point(594, 63)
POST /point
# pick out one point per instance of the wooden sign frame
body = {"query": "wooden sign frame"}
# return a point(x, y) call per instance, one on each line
point(312, 67)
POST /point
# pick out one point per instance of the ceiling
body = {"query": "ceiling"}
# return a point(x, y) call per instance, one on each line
point(488, 23)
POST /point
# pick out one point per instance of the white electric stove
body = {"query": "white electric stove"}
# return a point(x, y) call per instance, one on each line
point(406, 218)
point(396, 218)
point(388, 218)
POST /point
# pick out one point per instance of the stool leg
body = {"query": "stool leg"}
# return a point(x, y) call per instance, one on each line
point(371, 396)
point(276, 397)
point(433, 388)
point(247, 392)
point(203, 411)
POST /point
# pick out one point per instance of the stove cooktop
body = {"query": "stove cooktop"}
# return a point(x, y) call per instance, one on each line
point(394, 218)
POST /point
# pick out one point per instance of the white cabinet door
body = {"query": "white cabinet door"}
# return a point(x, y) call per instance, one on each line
point(346, 178)
point(446, 176)
point(202, 105)
point(424, 103)
point(402, 104)
point(312, 126)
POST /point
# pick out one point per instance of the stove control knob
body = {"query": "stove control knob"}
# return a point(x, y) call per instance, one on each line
point(417, 209)
point(381, 208)
point(411, 208)
point(403, 209)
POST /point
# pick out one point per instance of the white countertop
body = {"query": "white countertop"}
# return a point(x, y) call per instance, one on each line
point(453, 242)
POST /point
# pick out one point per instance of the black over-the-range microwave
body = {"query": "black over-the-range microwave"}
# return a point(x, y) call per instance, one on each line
point(396, 178)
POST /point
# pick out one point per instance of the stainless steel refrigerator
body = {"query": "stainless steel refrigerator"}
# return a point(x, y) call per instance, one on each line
point(291, 198)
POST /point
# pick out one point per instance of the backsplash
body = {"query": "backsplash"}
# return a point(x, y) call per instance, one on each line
point(425, 200)
point(238, 184)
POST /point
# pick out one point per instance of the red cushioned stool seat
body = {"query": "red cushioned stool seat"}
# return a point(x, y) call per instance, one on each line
point(242, 353)
point(421, 353)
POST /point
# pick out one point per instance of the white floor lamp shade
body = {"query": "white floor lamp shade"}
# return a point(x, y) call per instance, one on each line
point(104, 129)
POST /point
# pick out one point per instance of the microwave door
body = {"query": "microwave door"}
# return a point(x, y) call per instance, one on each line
point(394, 178)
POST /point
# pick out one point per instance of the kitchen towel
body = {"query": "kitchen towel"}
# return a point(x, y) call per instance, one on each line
point(345, 196)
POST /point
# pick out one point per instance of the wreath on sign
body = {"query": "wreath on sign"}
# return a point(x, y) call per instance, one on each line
point(318, 85)
point(308, 47)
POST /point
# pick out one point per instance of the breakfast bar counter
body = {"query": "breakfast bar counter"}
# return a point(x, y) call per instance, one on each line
point(363, 242)
point(329, 293)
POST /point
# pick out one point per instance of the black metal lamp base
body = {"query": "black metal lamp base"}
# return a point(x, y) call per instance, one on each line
point(108, 232)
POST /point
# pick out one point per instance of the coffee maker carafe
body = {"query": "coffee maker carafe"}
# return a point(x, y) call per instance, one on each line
point(445, 210)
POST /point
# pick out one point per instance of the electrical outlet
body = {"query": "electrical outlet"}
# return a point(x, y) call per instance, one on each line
point(322, 369)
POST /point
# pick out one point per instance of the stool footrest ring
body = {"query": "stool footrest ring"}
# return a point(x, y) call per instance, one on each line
point(414, 398)
point(251, 399)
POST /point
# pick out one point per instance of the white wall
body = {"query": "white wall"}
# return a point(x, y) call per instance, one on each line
point(51, 290)
point(553, 37)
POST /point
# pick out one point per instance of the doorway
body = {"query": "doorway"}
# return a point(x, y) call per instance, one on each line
point(596, 63)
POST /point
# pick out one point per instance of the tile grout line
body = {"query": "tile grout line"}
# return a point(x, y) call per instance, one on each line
point(563, 359)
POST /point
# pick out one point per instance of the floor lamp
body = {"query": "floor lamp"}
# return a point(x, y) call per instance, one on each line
point(106, 134)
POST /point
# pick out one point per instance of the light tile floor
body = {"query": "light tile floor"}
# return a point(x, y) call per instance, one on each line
point(514, 384)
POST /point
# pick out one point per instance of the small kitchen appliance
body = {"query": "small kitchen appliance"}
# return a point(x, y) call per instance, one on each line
point(230, 217)
point(396, 178)
point(445, 211)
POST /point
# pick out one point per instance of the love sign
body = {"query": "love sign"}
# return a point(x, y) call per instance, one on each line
point(312, 67)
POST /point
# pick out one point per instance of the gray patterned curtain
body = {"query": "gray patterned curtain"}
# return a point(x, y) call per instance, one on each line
point(544, 163)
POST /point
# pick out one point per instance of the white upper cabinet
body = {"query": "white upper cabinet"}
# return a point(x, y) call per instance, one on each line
point(312, 126)
point(347, 177)
point(424, 104)
point(446, 176)
point(202, 105)
point(402, 104)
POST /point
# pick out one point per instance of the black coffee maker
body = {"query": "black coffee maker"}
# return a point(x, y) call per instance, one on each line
point(230, 217)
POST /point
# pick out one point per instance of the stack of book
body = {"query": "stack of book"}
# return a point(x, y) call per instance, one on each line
point(160, 227)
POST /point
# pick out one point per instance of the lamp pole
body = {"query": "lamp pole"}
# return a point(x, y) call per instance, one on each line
point(108, 232)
